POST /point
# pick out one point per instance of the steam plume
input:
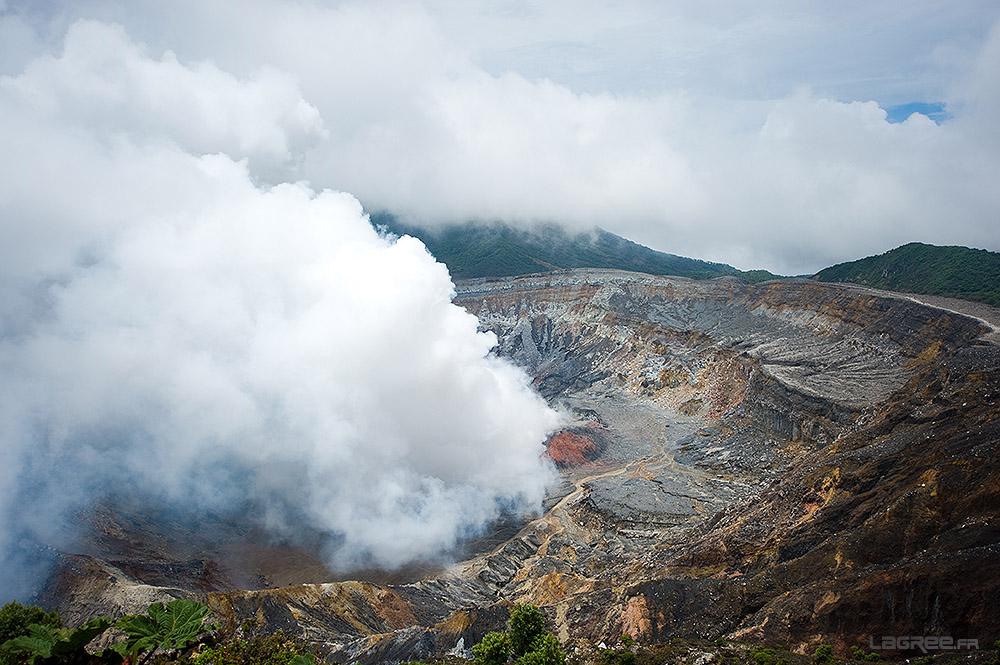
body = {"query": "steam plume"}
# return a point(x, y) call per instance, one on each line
point(171, 328)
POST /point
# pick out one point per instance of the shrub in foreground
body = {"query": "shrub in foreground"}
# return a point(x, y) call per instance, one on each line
point(274, 649)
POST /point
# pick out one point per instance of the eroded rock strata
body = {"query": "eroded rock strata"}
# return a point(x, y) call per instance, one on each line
point(786, 462)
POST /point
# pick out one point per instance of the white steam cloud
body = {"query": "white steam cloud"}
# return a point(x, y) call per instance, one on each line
point(169, 325)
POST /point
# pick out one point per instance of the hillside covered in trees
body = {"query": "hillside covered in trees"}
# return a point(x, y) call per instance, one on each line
point(955, 272)
point(496, 249)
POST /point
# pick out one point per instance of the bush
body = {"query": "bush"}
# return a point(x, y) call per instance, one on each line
point(626, 658)
point(526, 623)
point(527, 640)
point(14, 621)
point(764, 656)
point(176, 625)
point(45, 643)
point(494, 649)
point(861, 655)
point(275, 649)
point(612, 657)
point(823, 654)
point(545, 650)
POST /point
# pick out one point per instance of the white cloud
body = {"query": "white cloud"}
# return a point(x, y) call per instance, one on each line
point(171, 328)
point(103, 82)
point(655, 120)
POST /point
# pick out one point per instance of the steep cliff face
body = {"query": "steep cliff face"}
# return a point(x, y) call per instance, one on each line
point(786, 462)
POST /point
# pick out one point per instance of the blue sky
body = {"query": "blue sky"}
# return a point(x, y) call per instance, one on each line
point(936, 111)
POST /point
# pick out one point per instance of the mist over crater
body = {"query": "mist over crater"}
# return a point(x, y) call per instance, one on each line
point(263, 353)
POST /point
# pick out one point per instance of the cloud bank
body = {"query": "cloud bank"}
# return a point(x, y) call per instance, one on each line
point(750, 134)
point(171, 328)
point(769, 162)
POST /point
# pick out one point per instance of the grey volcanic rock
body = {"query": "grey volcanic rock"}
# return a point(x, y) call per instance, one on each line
point(839, 346)
point(789, 462)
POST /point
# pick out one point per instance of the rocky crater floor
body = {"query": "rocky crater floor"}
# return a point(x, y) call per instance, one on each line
point(788, 462)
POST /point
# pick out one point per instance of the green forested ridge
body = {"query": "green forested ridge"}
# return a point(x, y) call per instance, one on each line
point(496, 249)
point(956, 272)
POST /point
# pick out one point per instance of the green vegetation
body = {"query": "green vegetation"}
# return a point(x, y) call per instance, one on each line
point(175, 625)
point(173, 631)
point(764, 656)
point(177, 634)
point(861, 655)
point(495, 249)
point(493, 649)
point(527, 640)
point(955, 272)
point(14, 621)
point(626, 658)
point(544, 650)
point(499, 250)
point(723, 652)
point(527, 623)
point(274, 649)
point(996, 655)
point(823, 654)
point(612, 657)
point(755, 276)
point(43, 642)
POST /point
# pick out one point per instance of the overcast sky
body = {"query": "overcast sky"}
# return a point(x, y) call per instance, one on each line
point(750, 133)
